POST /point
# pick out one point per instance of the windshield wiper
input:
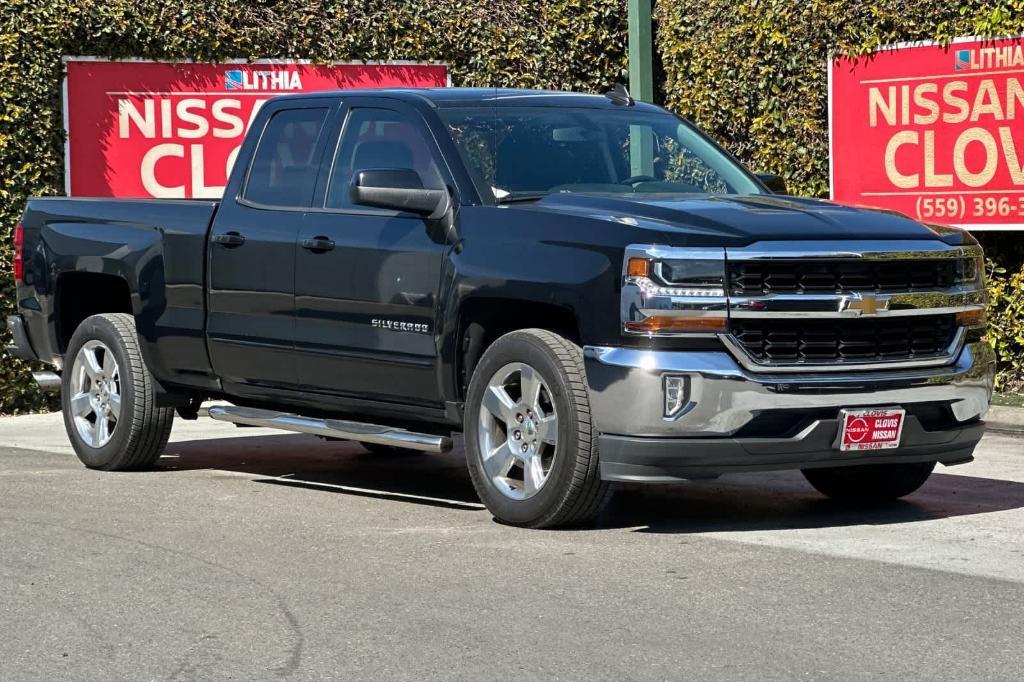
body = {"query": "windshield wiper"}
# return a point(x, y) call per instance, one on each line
point(513, 197)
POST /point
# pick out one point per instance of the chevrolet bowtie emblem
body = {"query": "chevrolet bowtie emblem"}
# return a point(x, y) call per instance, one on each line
point(863, 305)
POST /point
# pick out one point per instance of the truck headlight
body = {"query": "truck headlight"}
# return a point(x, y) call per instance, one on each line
point(969, 271)
point(673, 292)
point(704, 276)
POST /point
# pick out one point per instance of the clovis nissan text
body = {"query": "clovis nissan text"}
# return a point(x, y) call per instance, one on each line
point(586, 287)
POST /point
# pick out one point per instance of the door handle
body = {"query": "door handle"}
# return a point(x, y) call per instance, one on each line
point(318, 244)
point(228, 239)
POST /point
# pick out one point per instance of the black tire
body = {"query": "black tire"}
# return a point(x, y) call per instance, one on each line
point(869, 482)
point(573, 492)
point(139, 435)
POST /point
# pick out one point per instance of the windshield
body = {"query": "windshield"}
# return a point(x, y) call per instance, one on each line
point(532, 151)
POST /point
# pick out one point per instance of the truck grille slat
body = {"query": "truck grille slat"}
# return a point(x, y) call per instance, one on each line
point(830, 340)
point(760, 278)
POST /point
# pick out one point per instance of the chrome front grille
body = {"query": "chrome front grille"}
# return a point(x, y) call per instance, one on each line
point(766, 277)
point(819, 306)
point(869, 339)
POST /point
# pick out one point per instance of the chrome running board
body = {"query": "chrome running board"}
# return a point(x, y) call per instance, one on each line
point(332, 428)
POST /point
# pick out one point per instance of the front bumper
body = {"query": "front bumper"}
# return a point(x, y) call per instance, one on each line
point(735, 420)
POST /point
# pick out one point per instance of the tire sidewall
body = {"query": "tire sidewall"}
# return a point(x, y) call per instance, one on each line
point(99, 329)
point(523, 347)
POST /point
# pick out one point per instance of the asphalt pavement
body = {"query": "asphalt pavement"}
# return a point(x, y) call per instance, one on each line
point(251, 554)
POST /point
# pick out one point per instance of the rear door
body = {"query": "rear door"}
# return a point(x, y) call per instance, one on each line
point(251, 299)
point(367, 279)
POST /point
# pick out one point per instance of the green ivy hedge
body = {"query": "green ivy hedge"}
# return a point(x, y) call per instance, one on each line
point(1006, 325)
point(560, 44)
point(751, 73)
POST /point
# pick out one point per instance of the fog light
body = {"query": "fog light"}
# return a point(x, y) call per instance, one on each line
point(677, 394)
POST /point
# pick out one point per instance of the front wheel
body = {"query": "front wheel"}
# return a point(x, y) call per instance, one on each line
point(870, 482)
point(108, 397)
point(531, 443)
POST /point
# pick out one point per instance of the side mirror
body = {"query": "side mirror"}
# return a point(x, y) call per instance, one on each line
point(773, 182)
point(400, 189)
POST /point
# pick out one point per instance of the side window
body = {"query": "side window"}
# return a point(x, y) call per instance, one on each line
point(283, 171)
point(379, 138)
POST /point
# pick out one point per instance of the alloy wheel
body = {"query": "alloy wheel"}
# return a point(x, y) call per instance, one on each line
point(518, 435)
point(95, 394)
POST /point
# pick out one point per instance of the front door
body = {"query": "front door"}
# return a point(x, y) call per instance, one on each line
point(367, 280)
point(251, 302)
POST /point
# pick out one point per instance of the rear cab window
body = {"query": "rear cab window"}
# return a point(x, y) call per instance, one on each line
point(284, 168)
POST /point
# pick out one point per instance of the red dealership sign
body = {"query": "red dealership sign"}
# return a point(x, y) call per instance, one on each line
point(161, 129)
point(934, 132)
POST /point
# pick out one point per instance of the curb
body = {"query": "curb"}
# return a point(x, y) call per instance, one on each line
point(1002, 418)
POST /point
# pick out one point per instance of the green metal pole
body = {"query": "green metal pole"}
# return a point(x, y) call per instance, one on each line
point(641, 83)
point(641, 76)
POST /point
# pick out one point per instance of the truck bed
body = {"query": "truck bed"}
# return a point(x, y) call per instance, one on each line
point(157, 246)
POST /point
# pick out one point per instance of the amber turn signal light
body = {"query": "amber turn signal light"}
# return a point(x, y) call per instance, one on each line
point(638, 267)
point(656, 323)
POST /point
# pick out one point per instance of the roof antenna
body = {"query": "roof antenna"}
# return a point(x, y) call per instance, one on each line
point(620, 95)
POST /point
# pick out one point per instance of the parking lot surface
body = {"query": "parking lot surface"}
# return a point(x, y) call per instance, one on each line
point(251, 554)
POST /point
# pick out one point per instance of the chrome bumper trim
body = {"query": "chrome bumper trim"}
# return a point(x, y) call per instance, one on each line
point(817, 306)
point(627, 395)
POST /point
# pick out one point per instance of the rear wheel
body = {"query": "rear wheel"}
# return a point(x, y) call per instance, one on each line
point(870, 482)
point(108, 397)
point(531, 444)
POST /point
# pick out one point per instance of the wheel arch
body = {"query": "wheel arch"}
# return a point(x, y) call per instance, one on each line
point(79, 295)
point(482, 320)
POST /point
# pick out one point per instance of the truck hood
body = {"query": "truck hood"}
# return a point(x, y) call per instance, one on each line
point(728, 220)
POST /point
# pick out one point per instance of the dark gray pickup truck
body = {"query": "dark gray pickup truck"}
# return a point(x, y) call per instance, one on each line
point(585, 286)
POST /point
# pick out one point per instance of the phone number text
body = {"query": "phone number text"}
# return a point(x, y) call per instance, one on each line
point(963, 208)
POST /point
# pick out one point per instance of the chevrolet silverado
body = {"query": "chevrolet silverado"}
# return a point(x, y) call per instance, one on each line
point(585, 286)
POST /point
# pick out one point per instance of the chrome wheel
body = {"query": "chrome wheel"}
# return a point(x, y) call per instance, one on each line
point(518, 433)
point(95, 394)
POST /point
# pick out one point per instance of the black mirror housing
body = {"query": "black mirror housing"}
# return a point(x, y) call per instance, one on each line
point(773, 182)
point(398, 189)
